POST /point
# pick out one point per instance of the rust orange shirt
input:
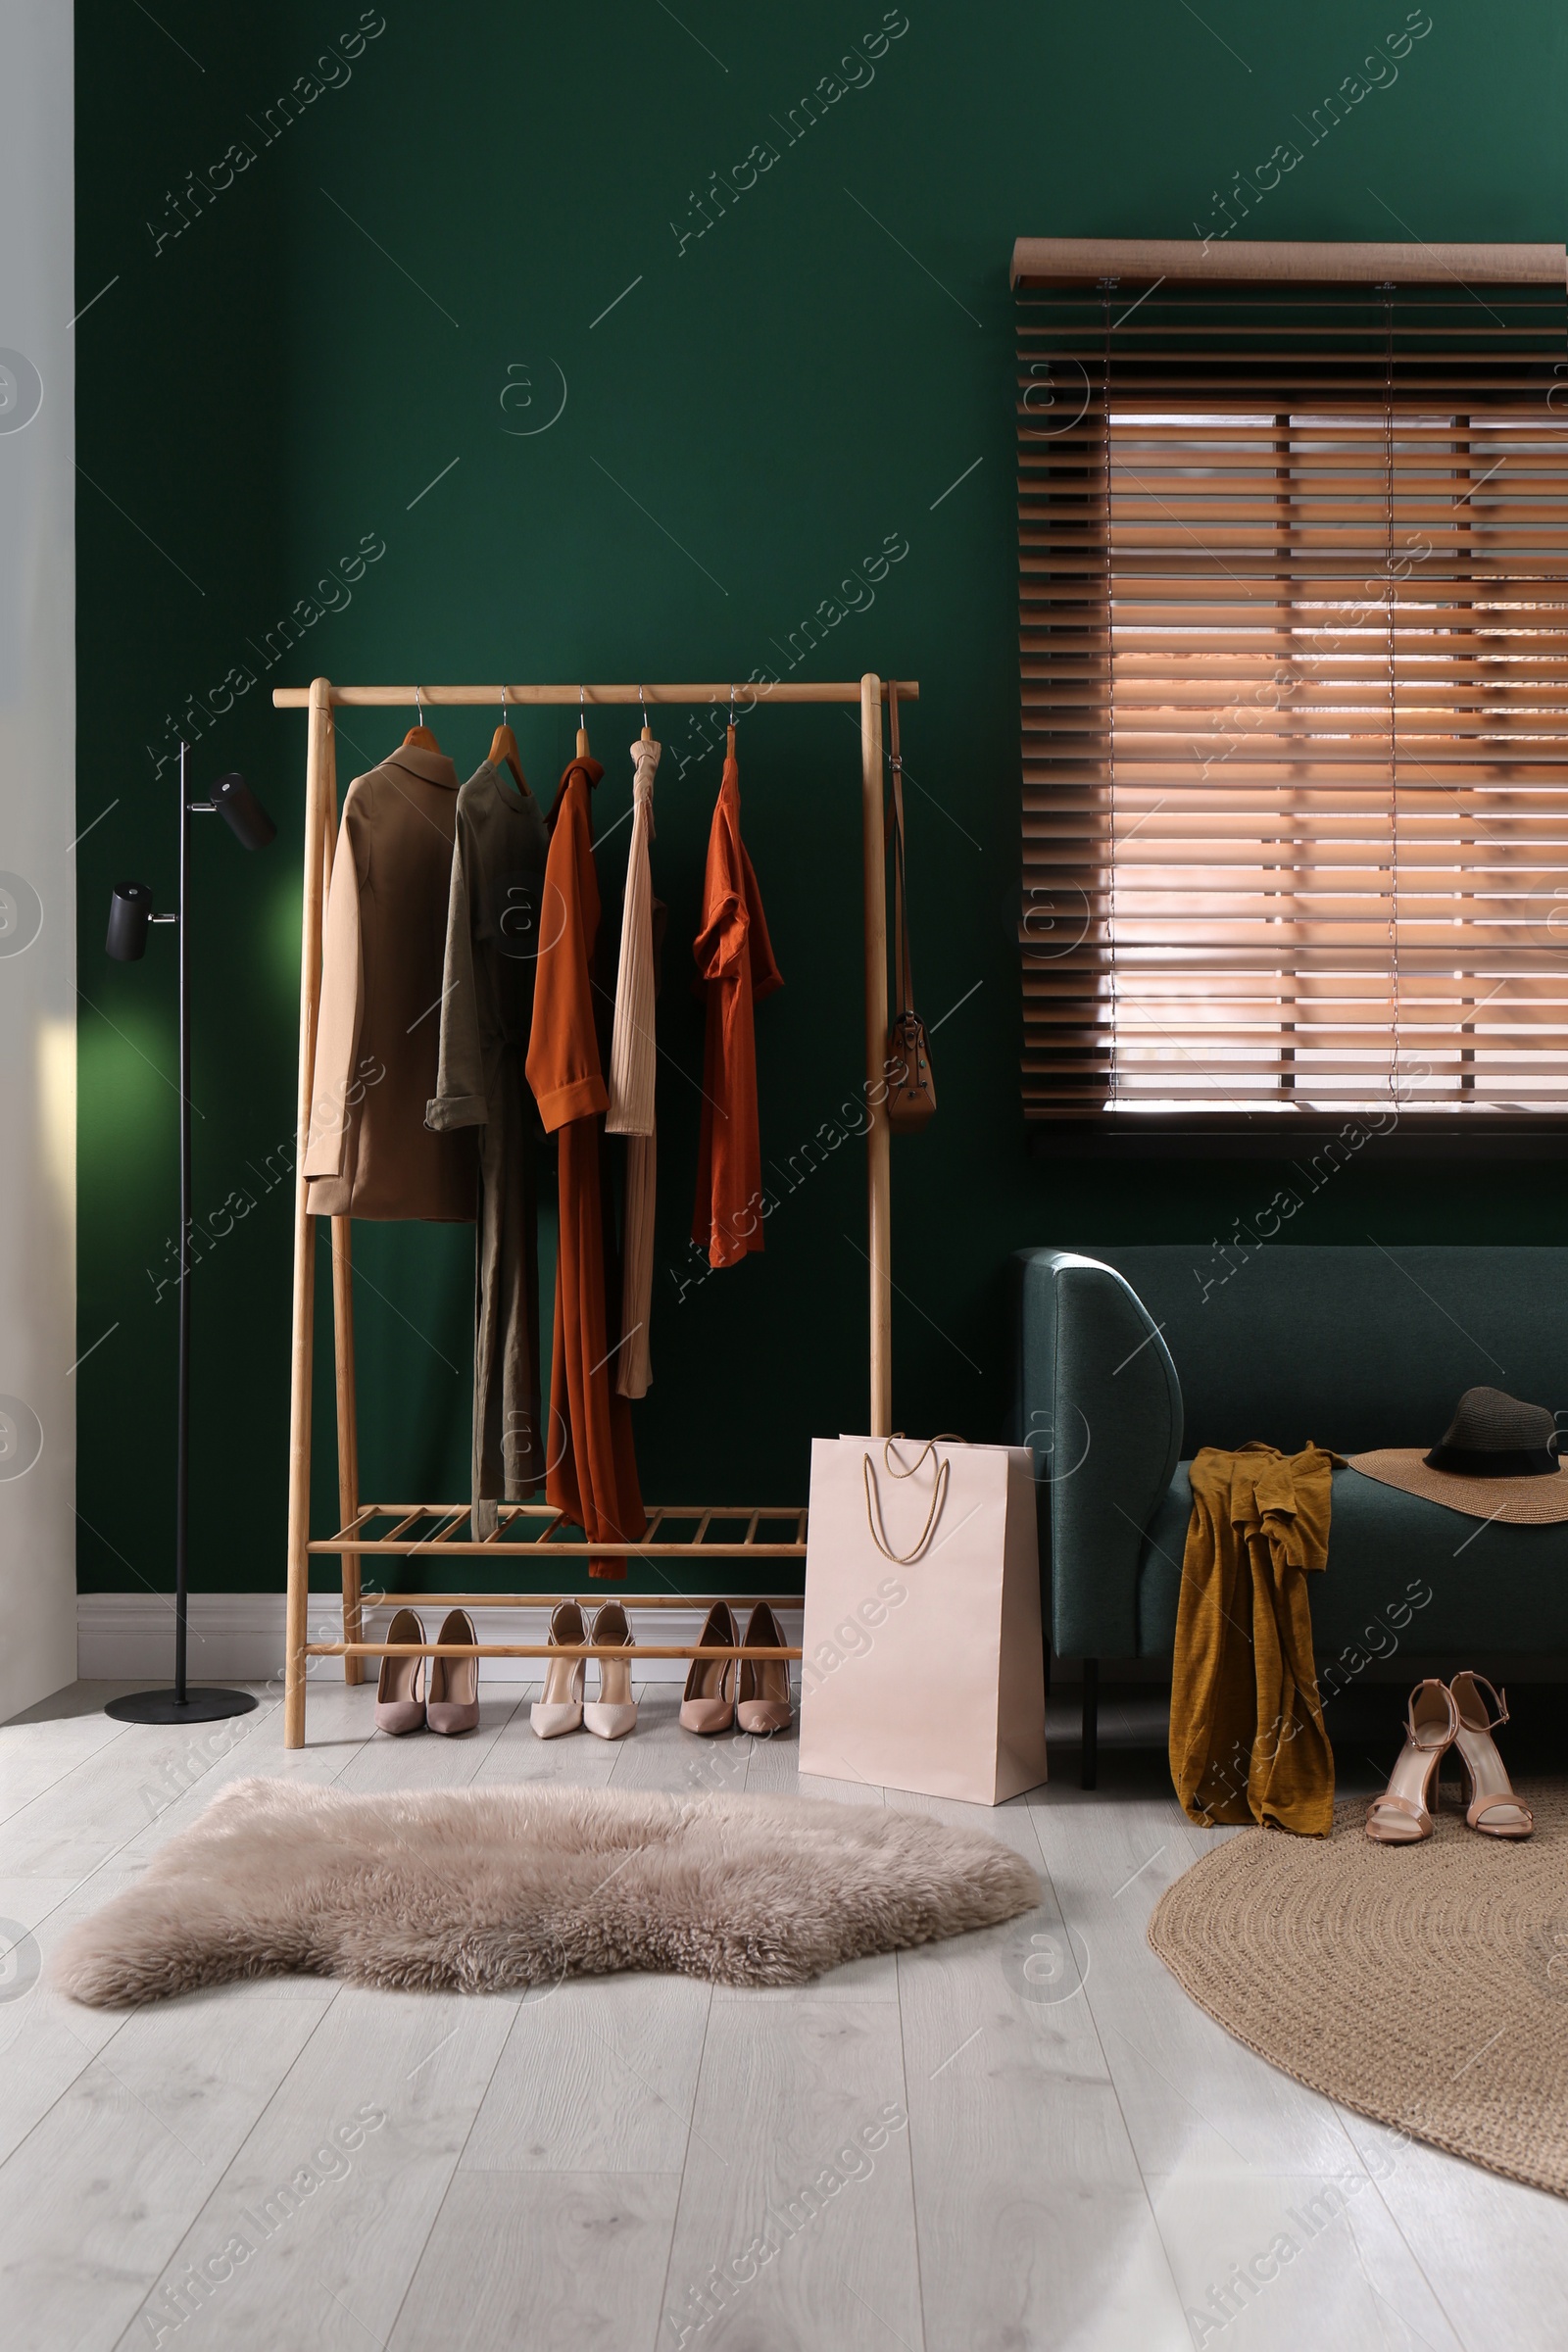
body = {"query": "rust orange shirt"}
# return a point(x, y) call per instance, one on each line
point(735, 958)
point(591, 1468)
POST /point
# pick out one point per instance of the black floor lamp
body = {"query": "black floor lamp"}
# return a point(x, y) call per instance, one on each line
point(130, 911)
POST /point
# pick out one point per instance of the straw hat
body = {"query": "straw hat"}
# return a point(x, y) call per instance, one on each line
point(1498, 1460)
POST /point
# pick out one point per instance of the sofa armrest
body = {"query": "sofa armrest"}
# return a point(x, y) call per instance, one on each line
point(1098, 1403)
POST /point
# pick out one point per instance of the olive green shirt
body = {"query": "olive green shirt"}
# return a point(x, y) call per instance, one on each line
point(497, 873)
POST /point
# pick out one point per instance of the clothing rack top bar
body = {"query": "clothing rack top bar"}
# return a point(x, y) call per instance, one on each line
point(298, 697)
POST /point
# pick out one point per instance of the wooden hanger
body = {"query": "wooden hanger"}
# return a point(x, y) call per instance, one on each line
point(419, 738)
point(582, 727)
point(504, 746)
point(647, 733)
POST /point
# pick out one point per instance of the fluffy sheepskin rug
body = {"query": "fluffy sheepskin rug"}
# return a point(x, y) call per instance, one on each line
point(490, 1890)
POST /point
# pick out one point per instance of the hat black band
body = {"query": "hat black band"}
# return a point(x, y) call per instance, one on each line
point(1468, 1462)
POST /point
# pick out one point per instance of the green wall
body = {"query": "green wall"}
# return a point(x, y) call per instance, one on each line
point(271, 388)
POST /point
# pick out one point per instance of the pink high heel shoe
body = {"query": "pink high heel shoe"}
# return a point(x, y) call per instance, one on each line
point(762, 1702)
point(614, 1713)
point(708, 1703)
point(558, 1707)
point(399, 1686)
point(453, 1703)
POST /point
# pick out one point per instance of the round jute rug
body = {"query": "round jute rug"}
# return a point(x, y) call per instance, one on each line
point(1425, 1986)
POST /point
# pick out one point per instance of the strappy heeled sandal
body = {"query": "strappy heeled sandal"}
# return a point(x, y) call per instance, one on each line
point(1401, 1816)
point(1492, 1807)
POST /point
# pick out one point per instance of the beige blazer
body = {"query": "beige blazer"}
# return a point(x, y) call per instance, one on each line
point(368, 1152)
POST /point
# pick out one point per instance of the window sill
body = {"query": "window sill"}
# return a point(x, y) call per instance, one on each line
point(1268, 1135)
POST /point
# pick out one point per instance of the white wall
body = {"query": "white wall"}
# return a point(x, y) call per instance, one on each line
point(37, 824)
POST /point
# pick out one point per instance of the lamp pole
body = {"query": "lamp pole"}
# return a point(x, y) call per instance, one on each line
point(181, 1705)
point(182, 1436)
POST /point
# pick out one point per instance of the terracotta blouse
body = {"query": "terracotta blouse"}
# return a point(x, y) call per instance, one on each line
point(735, 958)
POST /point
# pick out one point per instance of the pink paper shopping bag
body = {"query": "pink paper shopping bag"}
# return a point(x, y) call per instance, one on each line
point(923, 1666)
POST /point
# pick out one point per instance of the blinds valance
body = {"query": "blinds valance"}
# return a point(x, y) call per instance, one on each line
point(1294, 567)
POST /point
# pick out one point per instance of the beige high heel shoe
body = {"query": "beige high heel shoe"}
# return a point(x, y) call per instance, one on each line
point(709, 1705)
point(398, 1698)
point(1401, 1816)
point(762, 1703)
point(614, 1713)
point(559, 1707)
point(453, 1704)
point(1492, 1807)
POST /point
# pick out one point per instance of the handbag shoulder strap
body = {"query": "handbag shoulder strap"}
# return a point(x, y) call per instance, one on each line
point(903, 975)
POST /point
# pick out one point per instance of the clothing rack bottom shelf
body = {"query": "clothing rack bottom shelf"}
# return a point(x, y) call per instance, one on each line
point(534, 1649)
point(584, 1601)
point(422, 1532)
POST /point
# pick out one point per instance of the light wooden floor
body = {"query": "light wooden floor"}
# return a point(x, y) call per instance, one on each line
point(1065, 2153)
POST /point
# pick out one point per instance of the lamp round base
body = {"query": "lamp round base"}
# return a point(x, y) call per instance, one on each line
point(197, 1706)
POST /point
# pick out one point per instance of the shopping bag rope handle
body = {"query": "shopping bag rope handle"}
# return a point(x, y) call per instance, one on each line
point(943, 1437)
point(873, 1507)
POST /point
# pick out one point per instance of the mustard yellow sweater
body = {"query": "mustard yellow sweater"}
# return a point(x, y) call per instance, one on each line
point(1247, 1736)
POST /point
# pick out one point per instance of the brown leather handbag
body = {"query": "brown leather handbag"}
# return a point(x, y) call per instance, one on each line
point(912, 1087)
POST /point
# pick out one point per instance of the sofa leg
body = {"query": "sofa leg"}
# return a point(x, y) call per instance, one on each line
point(1090, 1746)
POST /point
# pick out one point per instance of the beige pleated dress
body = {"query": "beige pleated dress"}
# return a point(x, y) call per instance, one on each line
point(633, 1067)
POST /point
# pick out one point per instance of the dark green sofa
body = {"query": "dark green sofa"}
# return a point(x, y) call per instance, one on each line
point(1131, 1358)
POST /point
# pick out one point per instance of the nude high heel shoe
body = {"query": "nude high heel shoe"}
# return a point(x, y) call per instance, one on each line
point(453, 1704)
point(1493, 1807)
point(399, 1696)
point(614, 1713)
point(1402, 1815)
point(709, 1705)
point(762, 1702)
point(558, 1707)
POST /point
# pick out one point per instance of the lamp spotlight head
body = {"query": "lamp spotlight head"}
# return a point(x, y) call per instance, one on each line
point(129, 913)
point(249, 821)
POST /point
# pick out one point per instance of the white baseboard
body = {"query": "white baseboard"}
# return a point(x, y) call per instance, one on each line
point(234, 1637)
point(238, 1637)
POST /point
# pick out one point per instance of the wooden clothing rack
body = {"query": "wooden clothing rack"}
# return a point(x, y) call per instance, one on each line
point(431, 1528)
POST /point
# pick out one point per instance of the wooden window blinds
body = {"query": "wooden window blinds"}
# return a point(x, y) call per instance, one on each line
point(1294, 567)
